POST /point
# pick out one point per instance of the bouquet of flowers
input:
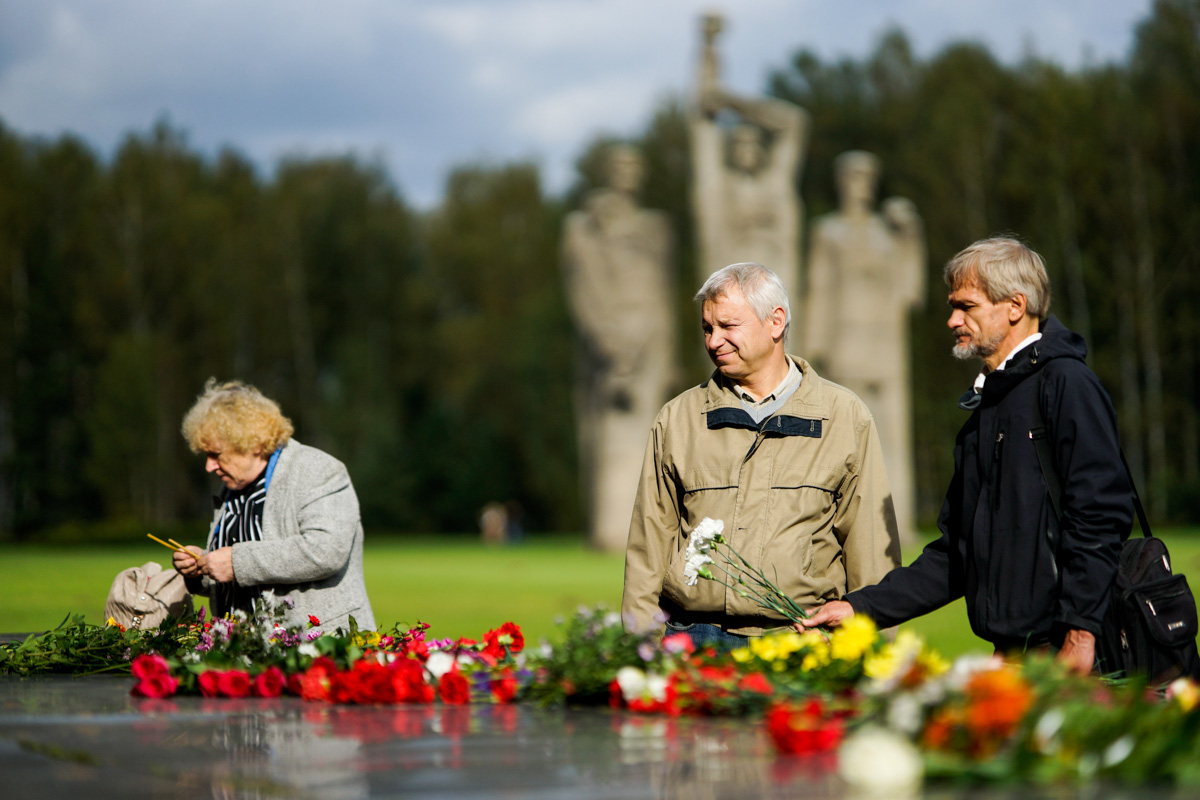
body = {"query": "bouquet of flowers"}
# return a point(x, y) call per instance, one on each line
point(745, 579)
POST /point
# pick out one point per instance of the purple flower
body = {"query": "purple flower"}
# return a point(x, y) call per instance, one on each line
point(288, 601)
point(646, 651)
point(205, 644)
point(200, 616)
point(313, 635)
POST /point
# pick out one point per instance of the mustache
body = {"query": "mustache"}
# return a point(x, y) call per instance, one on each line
point(956, 332)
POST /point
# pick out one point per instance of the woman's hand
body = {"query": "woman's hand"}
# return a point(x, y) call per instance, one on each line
point(189, 564)
point(218, 564)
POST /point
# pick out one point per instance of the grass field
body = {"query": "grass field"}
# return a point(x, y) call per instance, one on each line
point(459, 586)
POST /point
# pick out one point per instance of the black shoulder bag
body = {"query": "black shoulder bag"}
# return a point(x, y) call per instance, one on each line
point(1150, 627)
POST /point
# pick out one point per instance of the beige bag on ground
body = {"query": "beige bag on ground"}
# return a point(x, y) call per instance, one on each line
point(142, 597)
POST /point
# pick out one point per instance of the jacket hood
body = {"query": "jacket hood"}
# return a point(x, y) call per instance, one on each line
point(1057, 341)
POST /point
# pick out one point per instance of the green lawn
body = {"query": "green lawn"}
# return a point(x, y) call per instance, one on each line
point(459, 586)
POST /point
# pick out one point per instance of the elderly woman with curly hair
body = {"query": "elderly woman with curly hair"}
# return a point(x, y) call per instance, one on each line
point(288, 519)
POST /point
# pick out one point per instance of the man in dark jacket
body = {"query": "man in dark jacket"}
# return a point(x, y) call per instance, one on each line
point(1030, 579)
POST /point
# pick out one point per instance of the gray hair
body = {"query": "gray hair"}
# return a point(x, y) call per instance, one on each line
point(760, 286)
point(1003, 267)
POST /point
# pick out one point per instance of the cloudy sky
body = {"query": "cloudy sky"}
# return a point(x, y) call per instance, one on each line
point(423, 85)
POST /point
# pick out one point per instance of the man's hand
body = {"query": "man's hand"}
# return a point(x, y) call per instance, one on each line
point(1078, 652)
point(829, 615)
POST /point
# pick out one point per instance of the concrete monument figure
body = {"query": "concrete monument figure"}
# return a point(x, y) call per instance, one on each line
point(617, 267)
point(866, 272)
point(744, 189)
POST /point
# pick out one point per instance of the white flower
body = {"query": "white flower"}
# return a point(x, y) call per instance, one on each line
point(879, 763)
point(268, 599)
point(439, 663)
point(1045, 733)
point(612, 619)
point(695, 567)
point(1118, 751)
point(308, 649)
point(656, 686)
point(905, 713)
point(239, 615)
point(703, 535)
point(966, 666)
point(632, 682)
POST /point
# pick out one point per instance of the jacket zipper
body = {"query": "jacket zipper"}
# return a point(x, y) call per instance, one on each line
point(996, 467)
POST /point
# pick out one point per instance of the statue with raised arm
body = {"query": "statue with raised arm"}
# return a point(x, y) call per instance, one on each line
point(744, 192)
point(866, 272)
point(617, 267)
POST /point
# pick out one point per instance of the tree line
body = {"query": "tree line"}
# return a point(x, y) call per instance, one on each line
point(432, 352)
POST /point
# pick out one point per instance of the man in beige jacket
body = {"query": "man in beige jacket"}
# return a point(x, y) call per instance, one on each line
point(789, 462)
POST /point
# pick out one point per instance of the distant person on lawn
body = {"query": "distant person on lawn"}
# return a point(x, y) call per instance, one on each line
point(1031, 580)
point(287, 520)
point(789, 461)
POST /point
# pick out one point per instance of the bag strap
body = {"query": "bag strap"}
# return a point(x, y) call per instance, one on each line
point(1040, 434)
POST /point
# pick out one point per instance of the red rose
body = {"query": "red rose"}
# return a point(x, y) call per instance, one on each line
point(454, 689)
point(293, 683)
point(156, 686)
point(233, 683)
point(209, 682)
point(269, 682)
point(504, 686)
point(313, 621)
point(149, 666)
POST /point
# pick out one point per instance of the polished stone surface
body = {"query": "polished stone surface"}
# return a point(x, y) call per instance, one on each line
point(86, 737)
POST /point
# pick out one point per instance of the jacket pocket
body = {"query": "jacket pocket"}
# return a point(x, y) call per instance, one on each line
point(712, 493)
point(803, 549)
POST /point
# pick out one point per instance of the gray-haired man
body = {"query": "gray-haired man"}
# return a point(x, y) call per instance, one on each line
point(790, 462)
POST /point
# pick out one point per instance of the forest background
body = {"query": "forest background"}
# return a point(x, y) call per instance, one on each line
point(432, 351)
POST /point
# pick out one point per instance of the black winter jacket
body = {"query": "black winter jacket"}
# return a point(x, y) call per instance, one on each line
point(999, 532)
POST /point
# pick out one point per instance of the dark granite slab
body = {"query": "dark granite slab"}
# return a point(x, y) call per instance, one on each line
point(86, 737)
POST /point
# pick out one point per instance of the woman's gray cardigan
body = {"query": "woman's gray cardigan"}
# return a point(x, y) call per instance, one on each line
point(311, 546)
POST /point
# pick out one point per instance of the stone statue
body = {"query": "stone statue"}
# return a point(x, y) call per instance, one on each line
point(866, 272)
point(744, 189)
point(617, 264)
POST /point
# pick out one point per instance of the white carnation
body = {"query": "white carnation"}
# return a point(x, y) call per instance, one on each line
point(878, 763)
point(632, 682)
point(439, 663)
point(691, 569)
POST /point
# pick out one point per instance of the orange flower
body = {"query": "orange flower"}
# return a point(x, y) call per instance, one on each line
point(996, 703)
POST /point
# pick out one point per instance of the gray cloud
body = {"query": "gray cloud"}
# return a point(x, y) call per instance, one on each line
point(427, 85)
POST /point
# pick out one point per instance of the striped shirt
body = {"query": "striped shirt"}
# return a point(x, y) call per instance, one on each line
point(241, 521)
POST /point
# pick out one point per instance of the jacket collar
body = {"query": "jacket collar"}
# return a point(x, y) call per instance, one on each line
point(802, 414)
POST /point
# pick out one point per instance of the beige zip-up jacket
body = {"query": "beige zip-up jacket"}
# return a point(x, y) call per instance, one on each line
point(804, 496)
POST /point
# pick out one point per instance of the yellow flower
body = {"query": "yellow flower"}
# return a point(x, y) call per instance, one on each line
point(112, 621)
point(367, 638)
point(742, 655)
point(776, 646)
point(1185, 692)
point(853, 637)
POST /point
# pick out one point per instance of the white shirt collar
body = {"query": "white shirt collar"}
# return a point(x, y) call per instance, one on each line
point(1028, 340)
point(793, 374)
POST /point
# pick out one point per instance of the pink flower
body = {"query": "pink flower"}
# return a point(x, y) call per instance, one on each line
point(209, 682)
point(233, 683)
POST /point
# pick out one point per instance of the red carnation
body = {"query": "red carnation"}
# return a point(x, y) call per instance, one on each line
point(269, 682)
point(234, 683)
point(370, 682)
point(756, 682)
point(504, 686)
point(454, 689)
point(317, 681)
point(313, 621)
point(209, 683)
point(805, 729)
